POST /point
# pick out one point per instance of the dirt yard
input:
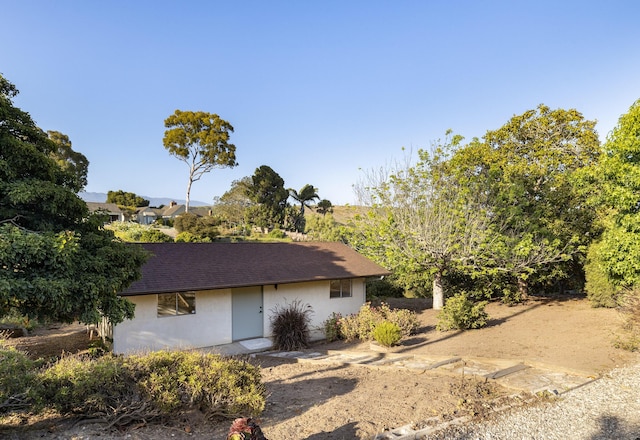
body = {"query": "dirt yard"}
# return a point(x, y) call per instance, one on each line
point(310, 400)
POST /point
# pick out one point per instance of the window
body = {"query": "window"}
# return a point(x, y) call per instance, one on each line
point(340, 289)
point(180, 303)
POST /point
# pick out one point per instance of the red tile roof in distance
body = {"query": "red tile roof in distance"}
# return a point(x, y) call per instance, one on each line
point(201, 266)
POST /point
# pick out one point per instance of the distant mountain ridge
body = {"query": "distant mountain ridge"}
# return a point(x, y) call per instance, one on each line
point(153, 201)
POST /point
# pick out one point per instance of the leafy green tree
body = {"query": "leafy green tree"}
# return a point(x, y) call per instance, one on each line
point(122, 198)
point(58, 263)
point(267, 191)
point(324, 206)
point(233, 206)
point(325, 228)
point(68, 159)
point(614, 187)
point(541, 222)
point(307, 194)
point(201, 140)
point(421, 219)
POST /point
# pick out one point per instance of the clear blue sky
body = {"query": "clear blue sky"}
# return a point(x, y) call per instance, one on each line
point(317, 90)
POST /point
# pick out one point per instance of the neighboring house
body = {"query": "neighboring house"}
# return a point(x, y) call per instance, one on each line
point(173, 211)
point(146, 215)
point(115, 213)
point(194, 295)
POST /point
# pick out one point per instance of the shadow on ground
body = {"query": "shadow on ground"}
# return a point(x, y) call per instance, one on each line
point(347, 431)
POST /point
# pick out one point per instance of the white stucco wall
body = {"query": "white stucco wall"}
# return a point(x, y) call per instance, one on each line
point(315, 294)
point(210, 325)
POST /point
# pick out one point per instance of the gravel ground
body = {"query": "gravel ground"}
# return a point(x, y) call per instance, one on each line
point(608, 408)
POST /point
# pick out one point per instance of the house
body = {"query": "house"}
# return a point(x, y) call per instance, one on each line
point(111, 209)
point(146, 215)
point(194, 295)
point(173, 211)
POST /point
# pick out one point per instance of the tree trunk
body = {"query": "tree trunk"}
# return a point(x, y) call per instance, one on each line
point(523, 289)
point(438, 293)
point(186, 205)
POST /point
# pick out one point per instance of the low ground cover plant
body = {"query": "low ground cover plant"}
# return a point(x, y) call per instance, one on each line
point(120, 390)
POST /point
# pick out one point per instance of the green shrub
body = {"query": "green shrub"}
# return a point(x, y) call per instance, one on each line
point(362, 325)
point(14, 319)
point(387, 333)
point(80, 385)
point(17, 377)
point(367, 319)
point(332, 327)
point(461, 313)
point(151, 235)
point(277, 233)
point(383, 288)
point(202, 228)
point(188, 237)
point(600, 290)
point(290, 326)
point(135, 232)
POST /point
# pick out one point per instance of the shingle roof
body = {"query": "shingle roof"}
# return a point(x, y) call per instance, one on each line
point(199, 266)
point(171, 210)
point(111, 207)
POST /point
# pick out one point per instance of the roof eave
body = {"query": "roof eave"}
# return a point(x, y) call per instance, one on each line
point(241, 285)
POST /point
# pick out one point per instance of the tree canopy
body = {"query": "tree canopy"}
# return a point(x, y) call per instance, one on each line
point(201, 140)
point(123, 198)
point(616, 179)
point(542, 223)
point(68, 159)
point(324, 206)
point(267, 191)
point(57, 262)
point(422, 222)
point(503, 212)
point(307, 194)
point(232, 207)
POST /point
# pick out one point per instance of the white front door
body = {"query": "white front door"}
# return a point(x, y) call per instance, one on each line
point(246, 313)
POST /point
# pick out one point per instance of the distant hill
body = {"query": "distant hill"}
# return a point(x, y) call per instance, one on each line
point(153, 201)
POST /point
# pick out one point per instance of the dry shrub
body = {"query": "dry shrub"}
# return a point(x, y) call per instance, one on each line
point(363, 324)
point(119, 390)
point(630, 309)
point(217, 386)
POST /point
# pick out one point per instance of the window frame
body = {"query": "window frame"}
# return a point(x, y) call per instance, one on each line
point(342, 292)
point(188, 298)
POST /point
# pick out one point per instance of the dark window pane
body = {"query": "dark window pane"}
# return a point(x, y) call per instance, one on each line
point(334, 289)
point(166, 304)
point(186, 303)
point(346, 288)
